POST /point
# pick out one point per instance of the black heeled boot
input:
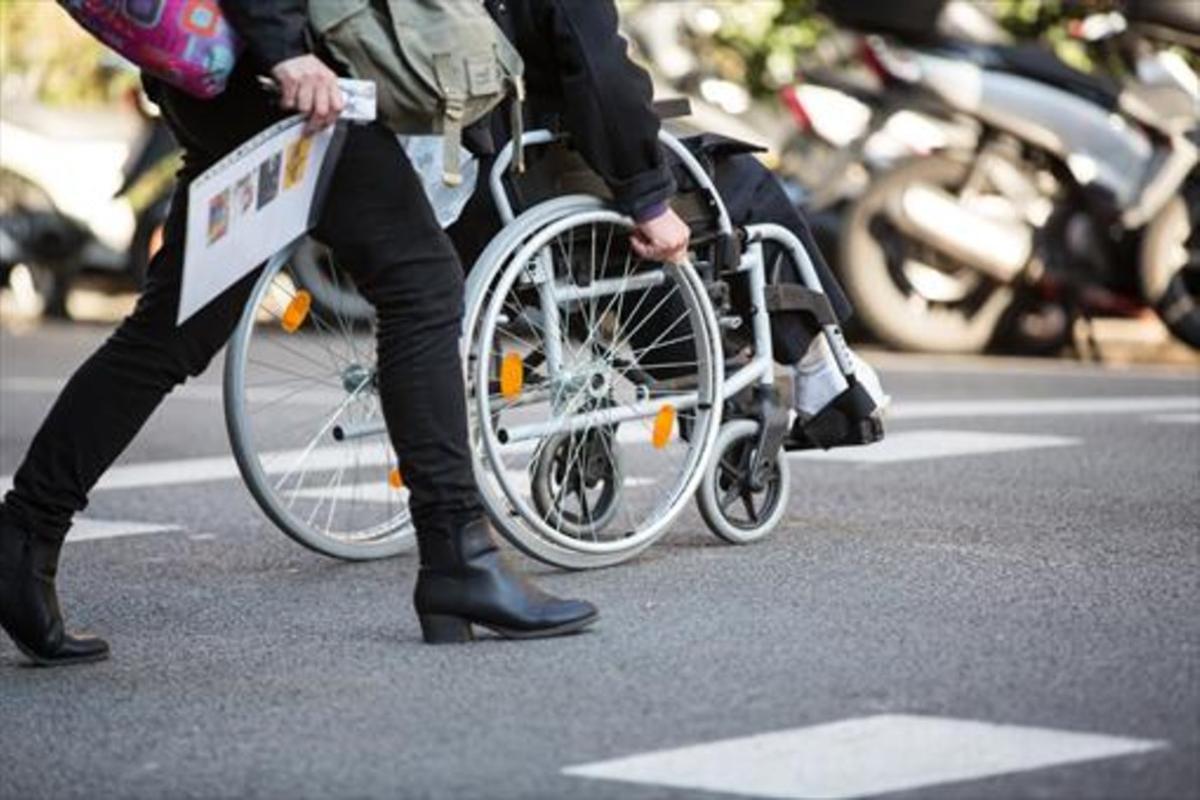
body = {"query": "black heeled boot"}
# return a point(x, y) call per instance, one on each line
point(29, 611)
point(464, 582)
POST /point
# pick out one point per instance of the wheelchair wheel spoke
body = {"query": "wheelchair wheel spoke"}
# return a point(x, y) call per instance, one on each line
point(288, 387)
point(324, 333)
point(748, 504)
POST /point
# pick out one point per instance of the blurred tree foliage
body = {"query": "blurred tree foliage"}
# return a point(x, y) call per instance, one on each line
point(762, 42)
point(45, 55)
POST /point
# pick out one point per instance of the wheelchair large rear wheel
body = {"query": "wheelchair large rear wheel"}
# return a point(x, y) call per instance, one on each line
point(595, 383)
point(304, 419)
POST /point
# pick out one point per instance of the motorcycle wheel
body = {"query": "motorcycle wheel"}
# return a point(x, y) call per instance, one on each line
point(907, 294)
point(48, 283)
point(1170, 265)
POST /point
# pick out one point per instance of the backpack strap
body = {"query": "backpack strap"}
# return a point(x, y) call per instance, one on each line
point(454, 110)
point(452, 134)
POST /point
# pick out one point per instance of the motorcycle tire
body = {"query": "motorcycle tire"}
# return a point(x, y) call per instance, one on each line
point(959, 311)
point(1170, 265)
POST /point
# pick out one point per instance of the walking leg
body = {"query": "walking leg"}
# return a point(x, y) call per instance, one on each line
point(103, 406)
point(382, 230)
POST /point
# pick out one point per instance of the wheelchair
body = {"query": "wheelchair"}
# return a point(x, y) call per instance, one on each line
point(604, 393)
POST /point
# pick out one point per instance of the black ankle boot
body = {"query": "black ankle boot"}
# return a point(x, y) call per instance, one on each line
point(465, 582)
point(29, 610)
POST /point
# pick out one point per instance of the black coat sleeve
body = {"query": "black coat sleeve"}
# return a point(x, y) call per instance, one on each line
point(274, 30)
point(608, 106)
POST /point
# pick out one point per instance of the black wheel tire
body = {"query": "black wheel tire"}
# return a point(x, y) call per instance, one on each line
point(1174, 291)
point(883, 305)
point(309, 269)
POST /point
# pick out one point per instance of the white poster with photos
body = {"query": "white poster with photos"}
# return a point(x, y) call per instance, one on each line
point(248, 207)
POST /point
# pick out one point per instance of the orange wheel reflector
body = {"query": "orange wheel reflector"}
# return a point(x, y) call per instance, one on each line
point(664, 423)
point(297, 311)
point(395, 479)
point(512, 376)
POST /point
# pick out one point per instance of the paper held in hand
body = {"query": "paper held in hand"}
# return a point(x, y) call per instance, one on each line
point(258, 200)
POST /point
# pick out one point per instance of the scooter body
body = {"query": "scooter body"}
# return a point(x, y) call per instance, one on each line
point(1069, 175)
point(1099, 147)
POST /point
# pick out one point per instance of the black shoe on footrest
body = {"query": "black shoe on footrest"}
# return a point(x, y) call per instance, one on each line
point(848, 421)
point(29, 611)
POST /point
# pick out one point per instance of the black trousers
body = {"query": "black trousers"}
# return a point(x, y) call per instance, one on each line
point(380, 227)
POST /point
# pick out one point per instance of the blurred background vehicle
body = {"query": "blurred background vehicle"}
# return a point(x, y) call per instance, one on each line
point(1071, 203)
point(83, 196)
point(85, 166)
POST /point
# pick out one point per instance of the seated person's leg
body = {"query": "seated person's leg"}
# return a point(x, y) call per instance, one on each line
point(825, 417)
point(479, 222)
point(754, 197)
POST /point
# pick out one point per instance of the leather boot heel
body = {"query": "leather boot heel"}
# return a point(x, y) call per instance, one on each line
point(444, 629)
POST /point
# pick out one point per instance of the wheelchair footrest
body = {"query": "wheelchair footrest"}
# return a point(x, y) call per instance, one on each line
point(848, 421)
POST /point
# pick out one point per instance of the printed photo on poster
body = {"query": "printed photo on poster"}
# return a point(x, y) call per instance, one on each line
point(243, 195)
point(268, 180)
point(296, 165)
point(218, 217)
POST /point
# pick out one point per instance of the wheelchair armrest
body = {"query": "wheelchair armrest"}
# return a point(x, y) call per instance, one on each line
point(790, 297)
point(673, 108)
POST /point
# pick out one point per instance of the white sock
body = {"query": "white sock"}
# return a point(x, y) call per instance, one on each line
point(869, 379)
point(817, 380)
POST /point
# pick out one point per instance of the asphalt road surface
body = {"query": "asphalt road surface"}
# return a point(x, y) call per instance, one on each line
point(1001, 601)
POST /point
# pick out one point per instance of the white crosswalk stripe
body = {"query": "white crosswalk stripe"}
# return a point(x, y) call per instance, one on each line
point(861, 757)
point(1048, 407)
point(87, 529)
point(926, 445)
point(218, 468)
point(1177, 419)
point(913, 409)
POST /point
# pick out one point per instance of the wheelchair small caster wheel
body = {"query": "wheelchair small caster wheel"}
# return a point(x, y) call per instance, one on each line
point(736, 506)
point(576, 481)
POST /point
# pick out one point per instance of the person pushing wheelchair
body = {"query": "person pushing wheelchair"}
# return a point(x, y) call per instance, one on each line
point(379, 224)
point(581, 81)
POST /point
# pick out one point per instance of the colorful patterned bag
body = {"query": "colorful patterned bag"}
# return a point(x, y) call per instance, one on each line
point(187, 43)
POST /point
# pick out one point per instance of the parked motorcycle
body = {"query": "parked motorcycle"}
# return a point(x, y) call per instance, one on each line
point(1080, 196)
point(78, 200)
point(850, 124)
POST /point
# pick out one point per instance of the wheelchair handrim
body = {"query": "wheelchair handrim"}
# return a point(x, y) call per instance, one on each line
point(708, 413)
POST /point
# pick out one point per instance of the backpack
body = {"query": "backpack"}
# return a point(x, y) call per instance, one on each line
point(186, 43)
point(439, 65)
